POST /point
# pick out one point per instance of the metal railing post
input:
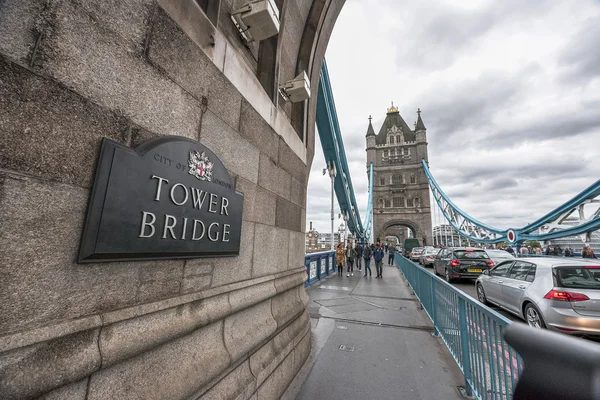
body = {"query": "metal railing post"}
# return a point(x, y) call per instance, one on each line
point(432, 287)
point(464, 344)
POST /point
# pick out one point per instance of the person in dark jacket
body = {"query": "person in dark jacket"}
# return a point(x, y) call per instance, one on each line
point(366, 254)
point(359, 250)
point(350, 256)
point(378, 256)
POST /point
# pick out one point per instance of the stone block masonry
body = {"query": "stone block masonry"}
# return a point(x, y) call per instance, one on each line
point(75, 71)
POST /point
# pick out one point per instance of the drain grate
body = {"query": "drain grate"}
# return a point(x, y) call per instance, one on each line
point(343, 347)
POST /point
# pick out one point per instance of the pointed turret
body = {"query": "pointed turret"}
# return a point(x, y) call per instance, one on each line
point(420, 126)
point(370, 130)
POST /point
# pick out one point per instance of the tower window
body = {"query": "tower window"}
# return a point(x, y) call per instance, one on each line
point(386, 203)
point(413, 179)
point(410, 203)
point(398, 201)
point(382, 181)
point(396, 179)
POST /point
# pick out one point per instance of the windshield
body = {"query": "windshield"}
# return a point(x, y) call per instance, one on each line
point(578, 277)
point(500, 254)
point(470, 254)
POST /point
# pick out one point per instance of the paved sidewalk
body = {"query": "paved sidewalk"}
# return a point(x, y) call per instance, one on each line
point(370, 341)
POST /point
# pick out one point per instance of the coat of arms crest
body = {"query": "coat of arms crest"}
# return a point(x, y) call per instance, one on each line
point(200, 166)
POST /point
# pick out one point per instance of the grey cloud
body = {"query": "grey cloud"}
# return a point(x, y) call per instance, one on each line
point(479, 109)
point(581, 58)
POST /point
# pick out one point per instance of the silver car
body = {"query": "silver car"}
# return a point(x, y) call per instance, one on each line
point(427, 256)
point(560, 294)
point(415, 253)
point(498, 256)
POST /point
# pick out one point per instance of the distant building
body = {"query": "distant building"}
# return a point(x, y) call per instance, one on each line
point(446, 235)
point(324, 241)
point(575, 242)
point(312, 238)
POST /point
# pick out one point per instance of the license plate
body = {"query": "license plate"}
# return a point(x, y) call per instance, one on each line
point(475, 270)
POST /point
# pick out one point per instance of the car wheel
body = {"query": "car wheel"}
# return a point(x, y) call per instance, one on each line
point(481, 295)
point(448, 276)
point(533, 317)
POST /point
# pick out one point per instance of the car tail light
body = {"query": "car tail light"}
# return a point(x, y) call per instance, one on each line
point(490, 263)
point(565, 296)
point(454, 263)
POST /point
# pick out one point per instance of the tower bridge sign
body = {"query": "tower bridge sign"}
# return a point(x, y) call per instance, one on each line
point(169, 198)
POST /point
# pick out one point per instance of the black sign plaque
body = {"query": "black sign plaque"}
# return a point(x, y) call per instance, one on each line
point(168, 198)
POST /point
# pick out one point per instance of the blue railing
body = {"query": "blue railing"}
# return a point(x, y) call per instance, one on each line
point(473, 333)
point(318, 266)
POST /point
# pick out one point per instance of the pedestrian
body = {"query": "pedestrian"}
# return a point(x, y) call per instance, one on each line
point(568, 252)
point(587, 252)
point(392, 251)
point(367, 253)
point(340, 258)
point(378, 256)
point(510, 250)
point(524, 251)
point(359, 250)
point(350, 256)
point(538, 251)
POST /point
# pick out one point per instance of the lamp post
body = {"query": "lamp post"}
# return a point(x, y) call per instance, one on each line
point(331, 169)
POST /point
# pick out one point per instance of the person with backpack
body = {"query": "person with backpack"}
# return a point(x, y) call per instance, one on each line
point(359, 250)
point(366, 254)
point(340, 259)
point(378, 255)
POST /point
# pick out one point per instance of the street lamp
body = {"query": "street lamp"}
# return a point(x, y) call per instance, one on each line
point(331, 169)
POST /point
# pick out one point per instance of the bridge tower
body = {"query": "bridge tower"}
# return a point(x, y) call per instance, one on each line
point(401, 203)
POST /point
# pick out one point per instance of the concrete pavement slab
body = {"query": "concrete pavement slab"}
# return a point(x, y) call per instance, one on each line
point(354, 357)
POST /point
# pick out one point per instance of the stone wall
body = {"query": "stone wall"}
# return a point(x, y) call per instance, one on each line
point(75, 71)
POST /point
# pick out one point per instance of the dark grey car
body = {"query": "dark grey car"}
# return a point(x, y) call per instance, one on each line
point(461, 262)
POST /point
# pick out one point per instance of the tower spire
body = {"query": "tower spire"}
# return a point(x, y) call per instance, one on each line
point(370, 130)
point(419, 126)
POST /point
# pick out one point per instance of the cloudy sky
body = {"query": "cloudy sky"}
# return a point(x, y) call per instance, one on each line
point(509, 92)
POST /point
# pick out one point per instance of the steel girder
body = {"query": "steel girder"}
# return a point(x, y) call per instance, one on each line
point(578, 216)
point(333, 149)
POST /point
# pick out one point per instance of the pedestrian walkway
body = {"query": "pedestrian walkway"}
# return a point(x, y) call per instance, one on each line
point(371, 341)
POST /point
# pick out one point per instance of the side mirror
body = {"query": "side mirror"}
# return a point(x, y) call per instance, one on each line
point(486, 272)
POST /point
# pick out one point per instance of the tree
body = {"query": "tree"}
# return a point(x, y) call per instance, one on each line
point(533, 243)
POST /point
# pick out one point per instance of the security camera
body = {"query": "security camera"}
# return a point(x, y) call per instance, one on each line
point(296, 90)
point(257, 20)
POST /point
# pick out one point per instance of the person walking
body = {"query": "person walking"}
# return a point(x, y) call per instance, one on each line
point(340, 259)
point(350, 256)
point(378, 256)
point(587, 252)
point(391, 252)
point(359, 251)
point(366, 254)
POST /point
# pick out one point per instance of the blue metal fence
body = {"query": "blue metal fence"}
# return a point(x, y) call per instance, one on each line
point(318, 266)
point(473, 333)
